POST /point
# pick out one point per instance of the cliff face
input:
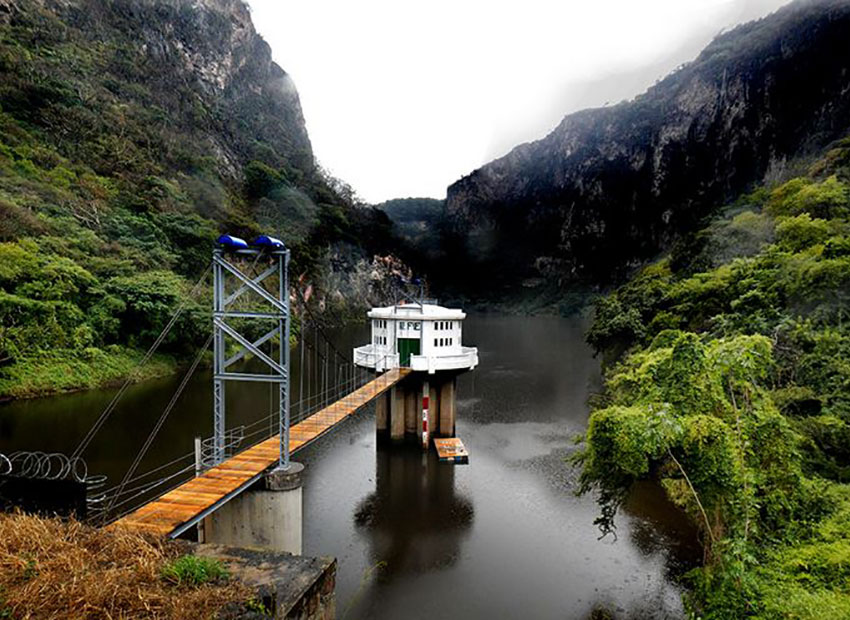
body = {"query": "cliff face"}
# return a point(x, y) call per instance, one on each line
point(200, 61)
point(610, 187)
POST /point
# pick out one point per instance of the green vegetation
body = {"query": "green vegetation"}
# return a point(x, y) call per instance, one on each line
point(191, 570)
point(728, 381)
point(118, 168)
point(257, 606)
point(62, 371)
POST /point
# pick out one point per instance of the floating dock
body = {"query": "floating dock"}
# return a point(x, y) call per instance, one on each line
point(451, 450)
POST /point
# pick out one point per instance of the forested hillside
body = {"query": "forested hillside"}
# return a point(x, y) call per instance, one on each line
point(132, 132)
point(728, 381)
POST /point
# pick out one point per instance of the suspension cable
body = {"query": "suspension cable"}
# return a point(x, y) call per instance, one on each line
point(101, 420)
point(130, 494)
point(146, 486)
point(142, 492)
point(317, 326)
point(323, 383)
point(162, 418)
point(148, 473)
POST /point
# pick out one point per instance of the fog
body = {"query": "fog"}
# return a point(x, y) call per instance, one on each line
point(402, 98)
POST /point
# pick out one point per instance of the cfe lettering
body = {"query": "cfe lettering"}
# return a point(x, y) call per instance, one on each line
point(409, 329)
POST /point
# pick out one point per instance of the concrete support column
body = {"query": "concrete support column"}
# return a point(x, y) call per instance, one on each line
point(382, 411)
point(434, 410)
point(270, 517)
point(397, 413)
point(447, 407)
point(410, 408)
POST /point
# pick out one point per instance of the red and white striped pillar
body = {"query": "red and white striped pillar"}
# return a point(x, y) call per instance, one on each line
point(426, 391)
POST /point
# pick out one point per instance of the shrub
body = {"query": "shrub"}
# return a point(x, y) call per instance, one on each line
point(191, 570)
point(261, 179)
point(190, 237)
point(825, 199)
point(801, 231)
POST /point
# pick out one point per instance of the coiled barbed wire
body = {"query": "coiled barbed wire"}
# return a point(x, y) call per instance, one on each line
point(5, 465)
point(95, 495)
point(44, 465)
point(55, 466)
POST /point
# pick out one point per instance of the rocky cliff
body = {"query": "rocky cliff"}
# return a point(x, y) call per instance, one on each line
point(200, 62)
point(609, 187)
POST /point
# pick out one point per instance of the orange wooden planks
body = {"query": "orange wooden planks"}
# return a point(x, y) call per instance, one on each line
point(451, 450)
point(188, 501)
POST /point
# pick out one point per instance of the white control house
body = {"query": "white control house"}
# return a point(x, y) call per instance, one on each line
point(426, 340)
point(420, 336)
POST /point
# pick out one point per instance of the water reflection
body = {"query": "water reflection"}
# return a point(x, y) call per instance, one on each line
point(659, 528)
point(415, 520)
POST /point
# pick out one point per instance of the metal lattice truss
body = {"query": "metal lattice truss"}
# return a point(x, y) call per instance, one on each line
point(245, 301)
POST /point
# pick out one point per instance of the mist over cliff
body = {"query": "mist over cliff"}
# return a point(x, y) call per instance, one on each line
point(610, 187)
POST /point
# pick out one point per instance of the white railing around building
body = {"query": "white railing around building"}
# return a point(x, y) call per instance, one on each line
point(368, 356)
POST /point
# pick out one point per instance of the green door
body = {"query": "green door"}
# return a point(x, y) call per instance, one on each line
point(406, 348)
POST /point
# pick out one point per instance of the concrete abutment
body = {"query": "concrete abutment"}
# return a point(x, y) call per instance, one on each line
point(268, 515)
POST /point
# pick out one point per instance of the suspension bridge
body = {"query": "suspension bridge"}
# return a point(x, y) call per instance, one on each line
point(251, 343)
point(184, 507)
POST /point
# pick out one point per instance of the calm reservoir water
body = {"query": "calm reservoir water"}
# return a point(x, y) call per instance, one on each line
point(502, 537)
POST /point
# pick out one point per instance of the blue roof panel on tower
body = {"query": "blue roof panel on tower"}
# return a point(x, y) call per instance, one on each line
point(269, 242)
point(232, 243)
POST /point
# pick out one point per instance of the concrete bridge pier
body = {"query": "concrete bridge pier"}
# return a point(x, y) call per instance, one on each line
point(418, 408)
point(448, 407)
point(382, 413)
point(396, 405)
point(268, 515)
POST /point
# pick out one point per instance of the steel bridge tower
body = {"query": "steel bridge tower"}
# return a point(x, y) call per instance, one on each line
point(242, 301)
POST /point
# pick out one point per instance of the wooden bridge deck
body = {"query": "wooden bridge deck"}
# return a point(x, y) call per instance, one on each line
point(184, 506)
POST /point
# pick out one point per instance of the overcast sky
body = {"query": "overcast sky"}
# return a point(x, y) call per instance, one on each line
point(402, 98)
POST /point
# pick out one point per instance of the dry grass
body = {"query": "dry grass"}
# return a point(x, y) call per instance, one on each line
point(55, 569)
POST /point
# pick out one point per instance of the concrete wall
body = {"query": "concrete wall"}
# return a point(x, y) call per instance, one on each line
point(382, 412)
point(411, 402)
point(397, 413)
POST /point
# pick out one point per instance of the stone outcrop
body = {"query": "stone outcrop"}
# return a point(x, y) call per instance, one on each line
point(288, 587)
